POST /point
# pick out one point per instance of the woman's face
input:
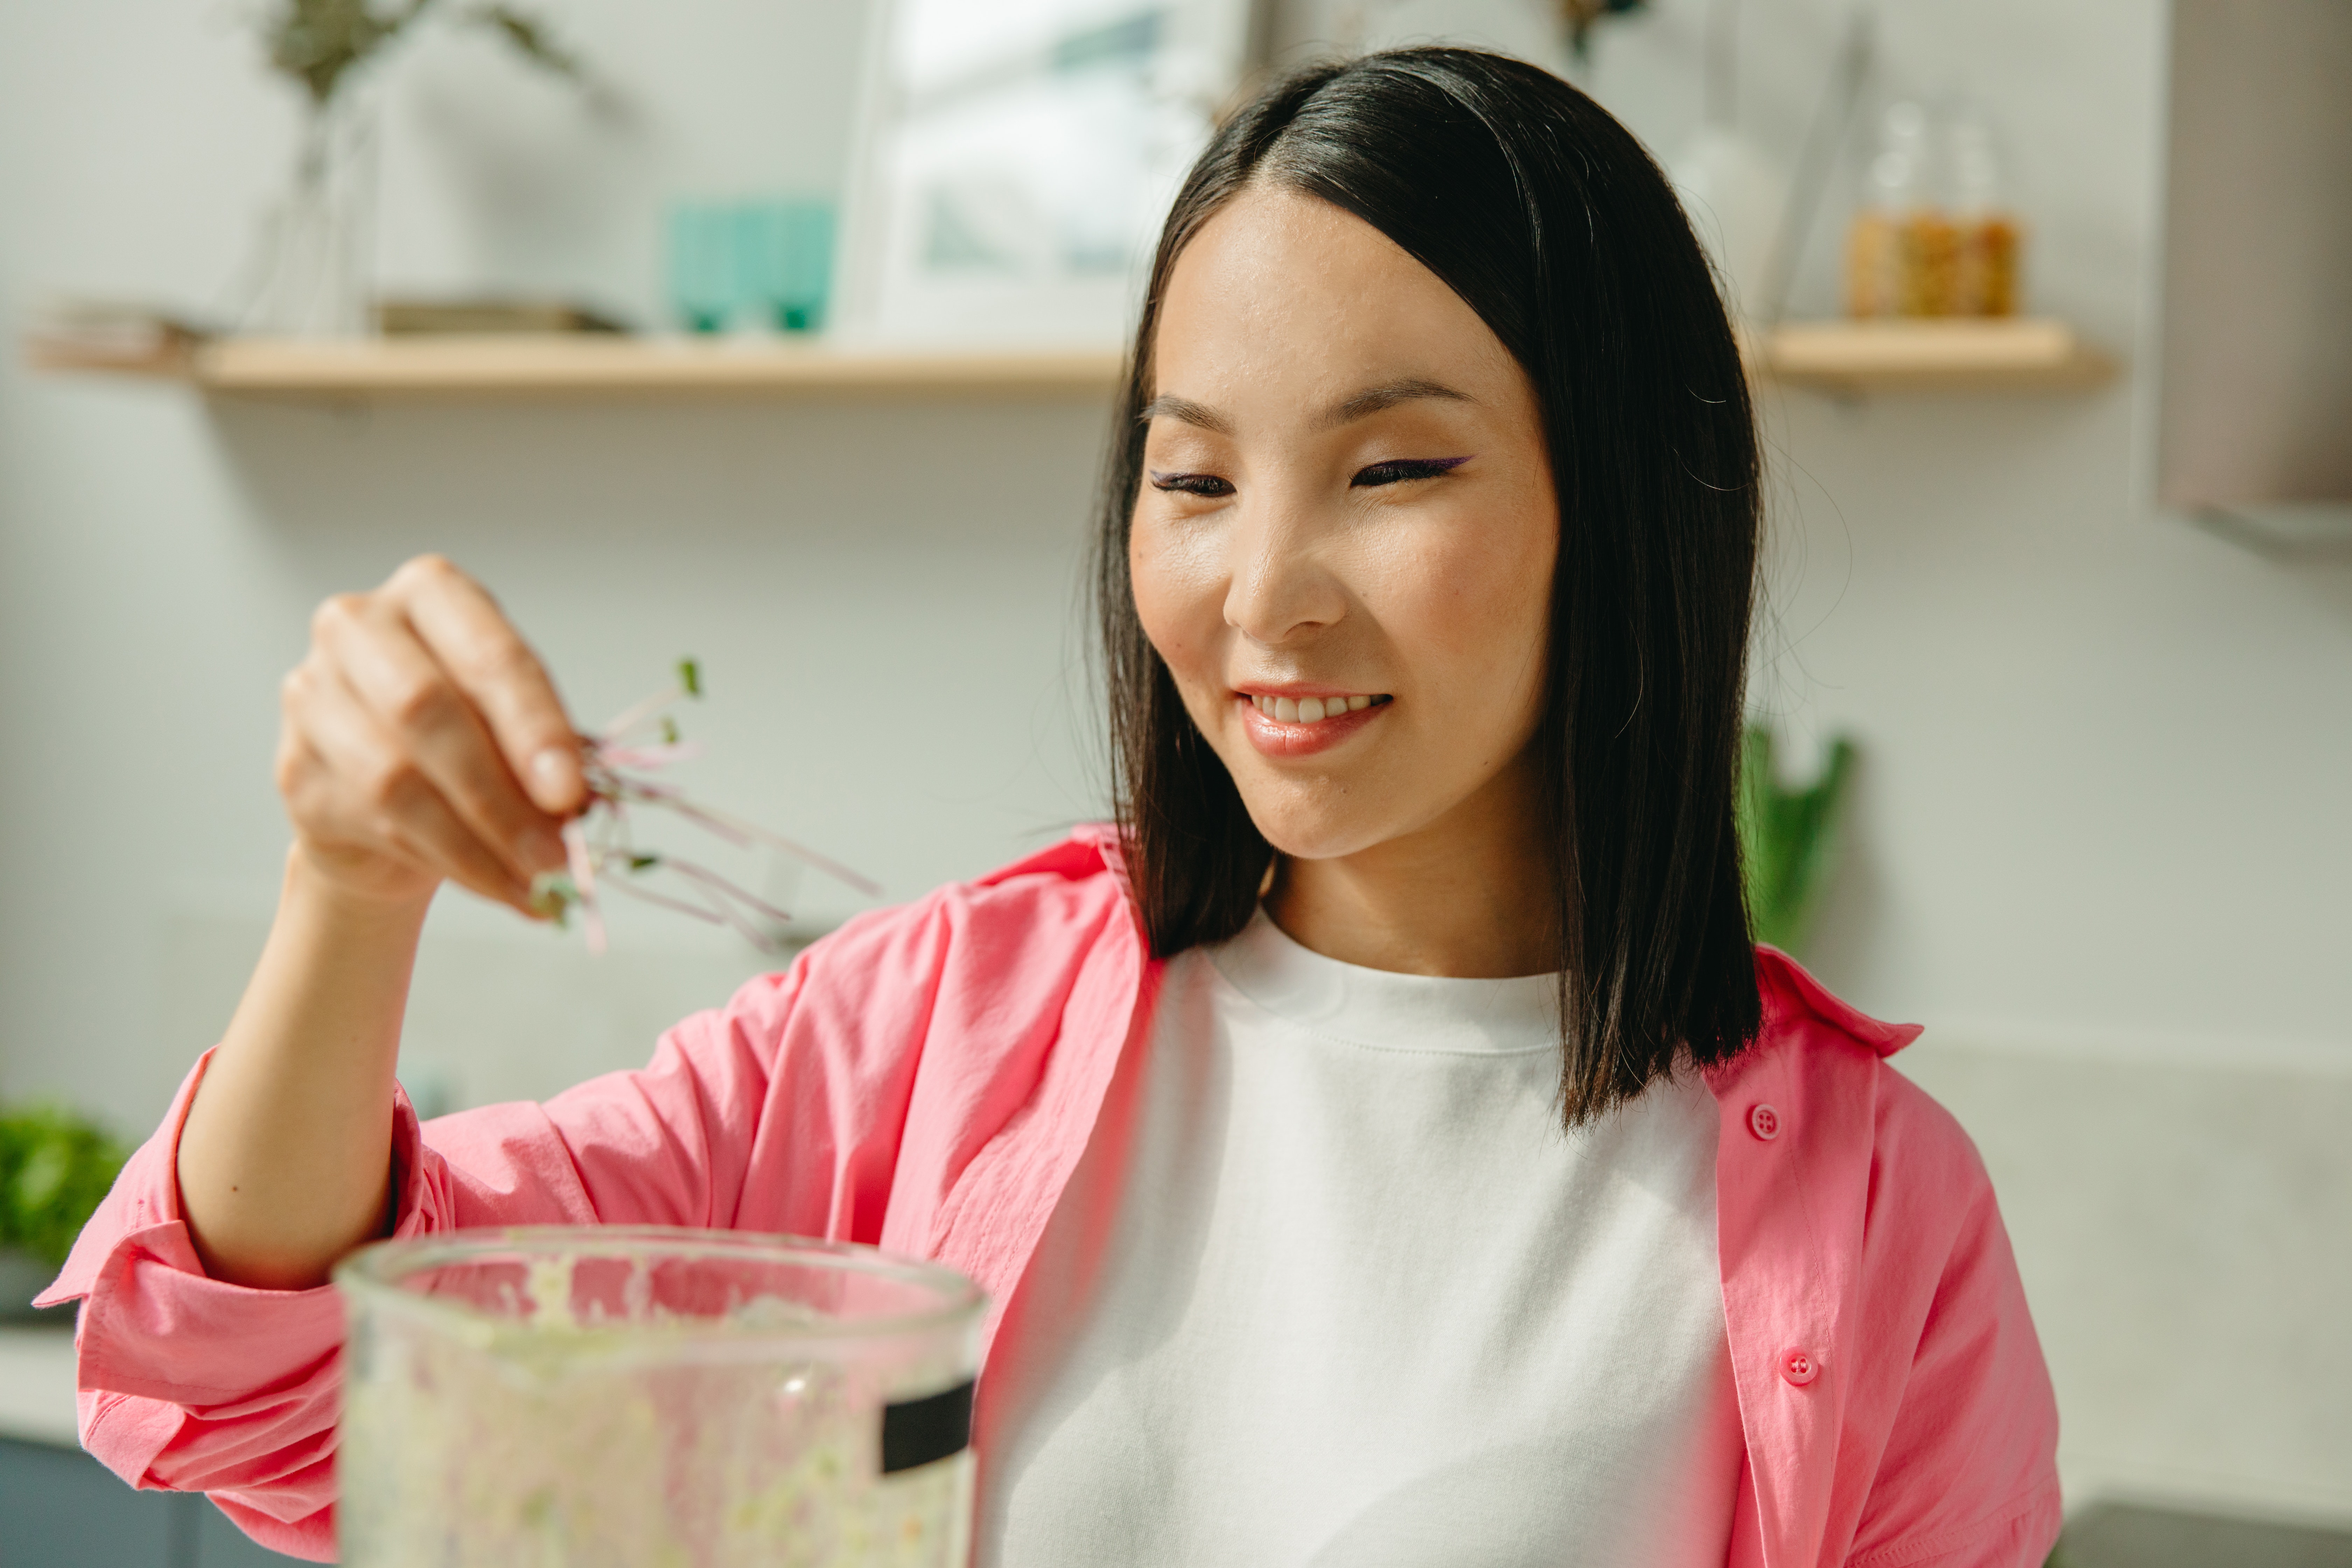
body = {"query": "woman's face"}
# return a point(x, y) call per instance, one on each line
point(1343, 545)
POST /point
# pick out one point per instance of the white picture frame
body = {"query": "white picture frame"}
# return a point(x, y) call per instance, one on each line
point(1013, 162)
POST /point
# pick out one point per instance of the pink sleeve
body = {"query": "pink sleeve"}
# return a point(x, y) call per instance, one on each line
point(194, 1384)
point(1967, 1474)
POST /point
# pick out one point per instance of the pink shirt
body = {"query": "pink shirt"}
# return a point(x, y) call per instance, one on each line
point(926, 1078)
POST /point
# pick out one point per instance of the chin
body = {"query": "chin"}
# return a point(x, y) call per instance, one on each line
point(1307, 828)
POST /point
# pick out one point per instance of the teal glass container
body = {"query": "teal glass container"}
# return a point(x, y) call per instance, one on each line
point(787, 259)
point(707, 278)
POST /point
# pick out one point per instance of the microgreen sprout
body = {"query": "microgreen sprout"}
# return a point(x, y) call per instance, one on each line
point(618, 762)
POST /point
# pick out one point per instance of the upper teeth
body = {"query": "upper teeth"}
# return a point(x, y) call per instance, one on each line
point(1309, 709)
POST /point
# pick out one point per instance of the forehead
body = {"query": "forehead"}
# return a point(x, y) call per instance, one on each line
point(1283, 296)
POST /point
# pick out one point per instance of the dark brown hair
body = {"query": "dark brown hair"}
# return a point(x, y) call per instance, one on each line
point(1550, 222)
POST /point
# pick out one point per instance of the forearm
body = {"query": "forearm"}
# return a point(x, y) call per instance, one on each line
point(285, 1162)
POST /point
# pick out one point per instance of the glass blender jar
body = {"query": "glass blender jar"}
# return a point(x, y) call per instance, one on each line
point(628, 1397)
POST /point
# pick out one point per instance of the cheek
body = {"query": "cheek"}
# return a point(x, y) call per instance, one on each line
point(1475, 600)
point(1179, 582)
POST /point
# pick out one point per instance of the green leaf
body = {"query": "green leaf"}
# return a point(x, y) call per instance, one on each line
point(531, 39)
point(1788, 839)
point(319, 42)
point(690, 676)
point(55, 1170)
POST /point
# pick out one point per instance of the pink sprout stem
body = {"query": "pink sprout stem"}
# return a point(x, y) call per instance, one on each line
point(599, 838)
point(584, 880)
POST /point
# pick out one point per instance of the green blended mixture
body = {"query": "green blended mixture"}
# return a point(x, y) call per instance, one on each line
point(536, 1440)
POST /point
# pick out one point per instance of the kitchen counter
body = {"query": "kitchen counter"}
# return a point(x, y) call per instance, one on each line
point(61, 1508)
point(37, 1384)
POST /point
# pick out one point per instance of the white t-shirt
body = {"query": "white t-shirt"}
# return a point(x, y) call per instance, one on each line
point(1331, 1285)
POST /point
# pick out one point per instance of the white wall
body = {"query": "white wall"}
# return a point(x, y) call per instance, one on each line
point(880, 594)
point(2099, 837)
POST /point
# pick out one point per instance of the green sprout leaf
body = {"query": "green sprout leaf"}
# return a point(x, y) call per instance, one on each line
point(690, 675)
point(552, 894)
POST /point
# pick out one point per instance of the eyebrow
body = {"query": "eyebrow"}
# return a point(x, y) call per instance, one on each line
point(1361, 406)
point(1186, 410)
point(1373, 399)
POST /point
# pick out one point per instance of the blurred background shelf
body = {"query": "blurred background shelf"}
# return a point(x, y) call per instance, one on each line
point(1843, 358)
point(1851, 358)
point(513, 366)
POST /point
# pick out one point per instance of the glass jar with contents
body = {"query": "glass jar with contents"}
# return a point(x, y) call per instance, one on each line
point(1933, 235)
point(1894, 227)
point(608, 1397)
point(1987, 240)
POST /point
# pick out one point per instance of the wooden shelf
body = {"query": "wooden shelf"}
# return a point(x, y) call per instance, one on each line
point(1843, 358)
point(1853, 358)
point(2284, 530)
point(599, 366)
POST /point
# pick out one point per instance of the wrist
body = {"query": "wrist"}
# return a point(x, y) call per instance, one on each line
point(318, 886)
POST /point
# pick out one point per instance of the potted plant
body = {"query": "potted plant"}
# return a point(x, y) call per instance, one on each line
point(55, 1169)
point(309, 278)
point(1788, 839)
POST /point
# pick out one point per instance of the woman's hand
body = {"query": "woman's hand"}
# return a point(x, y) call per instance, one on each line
point(421, 741)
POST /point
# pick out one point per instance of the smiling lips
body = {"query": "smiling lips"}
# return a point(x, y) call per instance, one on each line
point(1287, 725)
point(1311, 710)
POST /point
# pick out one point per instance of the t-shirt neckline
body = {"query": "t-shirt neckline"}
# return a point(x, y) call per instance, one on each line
point(1382, 1010)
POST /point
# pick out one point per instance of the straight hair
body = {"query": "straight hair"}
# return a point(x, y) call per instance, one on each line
point(1547, 218)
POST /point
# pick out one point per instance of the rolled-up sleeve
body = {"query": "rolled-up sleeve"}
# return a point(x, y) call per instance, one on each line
point(192, 1384)
point(195, 1385)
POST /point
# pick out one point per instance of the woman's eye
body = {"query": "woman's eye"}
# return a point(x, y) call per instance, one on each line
point(1404, 468)
point(1192, 484)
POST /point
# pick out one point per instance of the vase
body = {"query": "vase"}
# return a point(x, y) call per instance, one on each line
point(1734, 194)
point(311, 274)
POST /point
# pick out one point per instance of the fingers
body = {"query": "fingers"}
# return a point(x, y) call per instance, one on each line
point(424, 740)
point(355, 789)
point(470, 638)
point(417, 709)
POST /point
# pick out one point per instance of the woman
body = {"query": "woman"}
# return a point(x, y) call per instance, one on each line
point(1384, 1146)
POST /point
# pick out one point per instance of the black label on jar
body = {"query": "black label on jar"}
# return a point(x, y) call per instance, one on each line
point(917, 1431)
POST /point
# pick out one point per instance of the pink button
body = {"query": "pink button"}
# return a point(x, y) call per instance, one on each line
point(1764, 1121)
point(1799, 1366)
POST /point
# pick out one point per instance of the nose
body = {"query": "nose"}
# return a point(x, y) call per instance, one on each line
point(1279, 587)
